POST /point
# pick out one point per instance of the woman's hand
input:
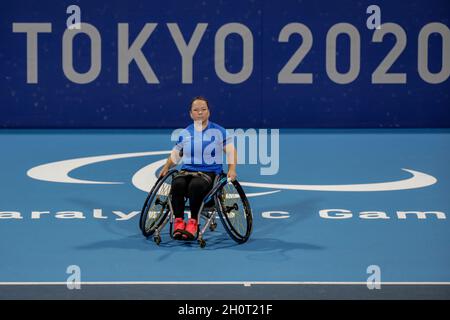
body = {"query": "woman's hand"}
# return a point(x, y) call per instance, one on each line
point(232, 174)
point(163, 171)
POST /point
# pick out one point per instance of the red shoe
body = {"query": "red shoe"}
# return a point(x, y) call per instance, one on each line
point(191, 229)
point(178, 226)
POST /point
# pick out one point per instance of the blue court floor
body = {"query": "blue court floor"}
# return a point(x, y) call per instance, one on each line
point(342, 203)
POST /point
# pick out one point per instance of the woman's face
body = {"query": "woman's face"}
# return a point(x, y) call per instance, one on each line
point(199, 111)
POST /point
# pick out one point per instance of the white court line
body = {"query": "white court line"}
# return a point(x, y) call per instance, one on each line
point(244, 283)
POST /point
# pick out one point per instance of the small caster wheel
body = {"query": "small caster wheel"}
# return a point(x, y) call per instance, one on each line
point(202, 243)
point(157, 239)
point(213, 226)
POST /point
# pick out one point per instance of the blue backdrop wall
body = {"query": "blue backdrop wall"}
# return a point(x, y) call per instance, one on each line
point(289, 63)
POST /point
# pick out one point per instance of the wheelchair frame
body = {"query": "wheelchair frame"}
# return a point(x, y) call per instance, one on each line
point(208, 213)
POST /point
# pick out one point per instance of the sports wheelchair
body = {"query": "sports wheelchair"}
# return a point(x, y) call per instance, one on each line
point(226, 199)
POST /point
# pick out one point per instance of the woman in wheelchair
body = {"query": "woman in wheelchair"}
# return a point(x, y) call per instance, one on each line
point(200, 145)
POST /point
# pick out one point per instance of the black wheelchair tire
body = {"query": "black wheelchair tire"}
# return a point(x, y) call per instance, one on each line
point(149, 200)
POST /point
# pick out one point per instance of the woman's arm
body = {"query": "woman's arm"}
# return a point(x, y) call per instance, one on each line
point(172, 160)
point(231, 153)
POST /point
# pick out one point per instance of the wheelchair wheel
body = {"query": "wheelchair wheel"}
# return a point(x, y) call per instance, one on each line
point(156, 206)
point(235, 212)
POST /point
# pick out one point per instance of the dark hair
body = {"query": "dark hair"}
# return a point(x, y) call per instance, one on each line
point(198, 98)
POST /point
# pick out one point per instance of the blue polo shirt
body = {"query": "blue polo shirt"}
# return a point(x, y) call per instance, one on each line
point(203, 150)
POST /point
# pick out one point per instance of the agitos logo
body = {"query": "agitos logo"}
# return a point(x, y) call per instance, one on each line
point(144, 178)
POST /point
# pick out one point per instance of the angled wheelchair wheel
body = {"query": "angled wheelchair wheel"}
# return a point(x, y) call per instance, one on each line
point(156, 206)
point(234, 211)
